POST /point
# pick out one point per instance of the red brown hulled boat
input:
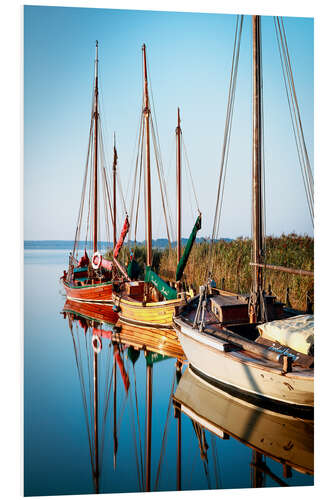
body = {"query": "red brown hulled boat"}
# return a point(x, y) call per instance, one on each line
point(93, 278)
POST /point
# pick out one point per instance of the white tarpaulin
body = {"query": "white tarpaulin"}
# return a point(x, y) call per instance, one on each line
point(296, 332)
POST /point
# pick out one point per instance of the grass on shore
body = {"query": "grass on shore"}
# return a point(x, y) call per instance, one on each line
point(231, 263)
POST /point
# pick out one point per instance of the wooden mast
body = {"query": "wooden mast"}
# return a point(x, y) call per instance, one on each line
point(115, 439)
point(149, 391)
point(146, 114)
point(96, 478)
point(179, 191)
point(257, 205)
point(115, 158)
point(95, 224)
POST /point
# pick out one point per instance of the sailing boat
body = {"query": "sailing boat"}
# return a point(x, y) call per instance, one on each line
point(219, 330)
point(96, 377)
point(92, 279)
point(150, 302)
point(162, 342)
point(157, 345)
point(285, 439)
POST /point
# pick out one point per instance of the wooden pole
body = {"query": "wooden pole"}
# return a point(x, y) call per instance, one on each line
point(179, 451)
point(115, 157)
point(284, 269)
point(96, 420)
point(257, 215)
point(149, 390)
point(95, 225)
point(257, 464)
point(146, 114)
point(115, 440)
point(179, 191)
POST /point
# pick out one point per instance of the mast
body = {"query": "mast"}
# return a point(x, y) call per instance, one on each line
point(95, 224)
point(146, 114)
point(115, 158)
point(96, 478)
point(257, 205)
point(149, 391)
point(115, 439)
point(179, 191)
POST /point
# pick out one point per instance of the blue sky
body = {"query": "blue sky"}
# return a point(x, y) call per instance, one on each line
point(189, 58)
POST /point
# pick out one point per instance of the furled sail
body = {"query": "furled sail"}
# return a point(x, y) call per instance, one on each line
point(167, 291)
point(121, 239)
point(183, 261)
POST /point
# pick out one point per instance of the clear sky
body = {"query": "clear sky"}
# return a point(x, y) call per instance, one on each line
point(189, 58)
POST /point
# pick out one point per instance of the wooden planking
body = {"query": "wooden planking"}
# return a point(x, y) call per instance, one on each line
point(102, 292)
point(100, 312)
point(156, 313)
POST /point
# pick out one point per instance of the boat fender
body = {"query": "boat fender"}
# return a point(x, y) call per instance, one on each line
point(96, 343)
point(116, 308)
point(96, 260)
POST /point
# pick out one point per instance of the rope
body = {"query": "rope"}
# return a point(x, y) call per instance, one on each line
point(162, 454)
point(82, 387)
point(226, 141)
point(302, 153)
point(187, 164)
point(139, 471)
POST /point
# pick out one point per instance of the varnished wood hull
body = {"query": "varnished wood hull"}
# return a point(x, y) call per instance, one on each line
point(285, 439)
point(98, 312)
point(101, 292)
point(247, 373)
point(155, 314)
point(160, 340)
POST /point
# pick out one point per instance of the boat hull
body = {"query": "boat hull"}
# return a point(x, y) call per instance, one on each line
point(244, 372)
point(101, 292)
point(285, 439)
point(155, 314)
point(160, 340)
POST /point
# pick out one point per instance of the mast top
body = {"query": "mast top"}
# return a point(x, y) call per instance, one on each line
point(178, 129)
point(96, 63)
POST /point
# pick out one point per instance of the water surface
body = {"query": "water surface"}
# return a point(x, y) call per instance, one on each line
point(59, 391)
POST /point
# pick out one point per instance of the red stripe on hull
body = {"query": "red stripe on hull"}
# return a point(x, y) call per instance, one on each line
point(95, 293)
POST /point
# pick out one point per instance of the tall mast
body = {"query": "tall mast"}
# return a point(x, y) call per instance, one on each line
point(179, 191)
point(115, 439)
point(146, 114)
point(96, 475)
point(115, 158)
point(149, 392)
point(257, 206)
point(95, 151)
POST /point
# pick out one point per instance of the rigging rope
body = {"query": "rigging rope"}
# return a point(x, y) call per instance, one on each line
point(226, 141)
point(82, 387)
point(162, 454)
point(295, 113)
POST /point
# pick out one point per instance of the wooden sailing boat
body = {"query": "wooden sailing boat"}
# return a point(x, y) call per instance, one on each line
point(218, 329)
point(287, 440)
point(157, 345)
point(150, 302)
point(91, 279)
point(161, 341)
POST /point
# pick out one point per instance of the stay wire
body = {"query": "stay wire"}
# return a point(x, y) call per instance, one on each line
point(226, 141)
point(162, 454)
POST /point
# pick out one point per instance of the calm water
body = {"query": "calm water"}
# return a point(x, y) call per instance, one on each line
point(59, 444)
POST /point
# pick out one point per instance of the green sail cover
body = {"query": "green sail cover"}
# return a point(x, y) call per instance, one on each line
point(166, 290)
point(155, 357)
point(183, 261)
point(133, 270)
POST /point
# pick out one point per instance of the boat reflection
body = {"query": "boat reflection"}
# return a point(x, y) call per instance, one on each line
point(106, 352)
point(285, 439)
point(103, 346)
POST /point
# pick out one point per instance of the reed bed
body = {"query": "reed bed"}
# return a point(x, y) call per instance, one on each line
point(229, 262)
point(230, 266)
